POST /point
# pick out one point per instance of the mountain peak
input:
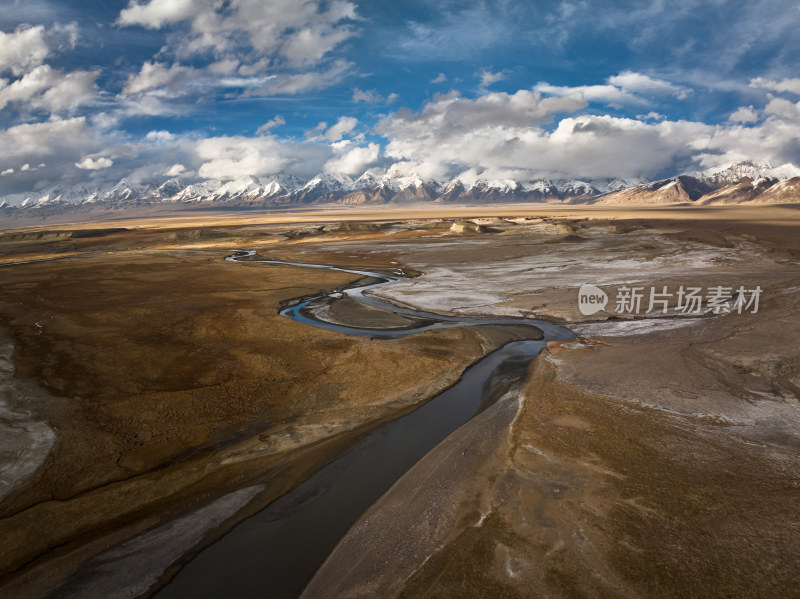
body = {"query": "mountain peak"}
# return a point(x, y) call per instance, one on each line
point(376, 186)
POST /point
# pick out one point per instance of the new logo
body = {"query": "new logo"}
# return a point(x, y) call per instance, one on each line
point(591, 299)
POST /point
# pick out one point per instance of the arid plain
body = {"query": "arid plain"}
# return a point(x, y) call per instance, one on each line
point(152, 397)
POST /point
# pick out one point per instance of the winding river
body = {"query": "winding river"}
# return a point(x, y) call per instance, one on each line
point(275, 552)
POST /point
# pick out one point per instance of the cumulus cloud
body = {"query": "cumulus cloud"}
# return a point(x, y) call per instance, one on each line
point(58, 142)
point(93, 164)
point(43, 139)
point(643, 84)
point(44, 87)
point(785, 85)
point(451, 115)
point(230, 157)
point(744, 114)
point(175, 170)
point(311, 44)
point(37, 80)
point(22, 49)
point(440, 78)
point(610, 95)
point(38, 86)
point(70, 91)
point(8, 171)
point(353, 161)
point(301, 33)
point(342, 127)
point(784, 109)
point(281, 47)
point(159, 136)
point(626, 88)
point(501, 136)
point(156, 13)
point(154, 75)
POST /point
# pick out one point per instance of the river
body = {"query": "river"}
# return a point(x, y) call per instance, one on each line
point(275, 552)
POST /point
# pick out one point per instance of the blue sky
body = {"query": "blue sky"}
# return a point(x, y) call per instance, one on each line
point(91, 92)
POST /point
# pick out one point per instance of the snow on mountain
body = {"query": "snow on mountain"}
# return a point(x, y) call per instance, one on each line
point(60, 194)
point(611, 185)
point(397, 182)
point(574, 187)
point(329, 182)
point(168, 189)
point(733, 172)
point(128, 192)
point(281, 184)
point(746, 182)
point(237, 188)
point(196, 191)
point(542, 186)
point(503, 185)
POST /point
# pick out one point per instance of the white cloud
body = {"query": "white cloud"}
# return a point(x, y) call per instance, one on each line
point(154, 75)
point(32, 83)
point(159, 136)
point(71, 90)
point(369, 96)
point(440, 78)
point(25, 167)
point(43, 139)
point(784, 109)
point(643, 84)
point(8, 171)
point(501, 135)
point(175, 170)
point(157, 13)
point(785, 85)
point(270, 125)
point(230, 157)
point(299, 32)
point(651, 116)
point(605, 94)
point(92, 164)
point(624, 89)
point(58, 143)
point(23, 49)
point(60, 91)
point(296, 83)
point(354, 161)
point(341, 128)
point(450, 115)
point(488, 78)
point(281, 47)
point(311, 44)
point(744, 114)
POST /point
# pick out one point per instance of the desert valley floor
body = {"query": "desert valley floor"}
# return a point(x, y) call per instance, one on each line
point(153, 399)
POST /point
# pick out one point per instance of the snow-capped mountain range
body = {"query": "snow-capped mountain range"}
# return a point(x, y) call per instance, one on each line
point(733, 183)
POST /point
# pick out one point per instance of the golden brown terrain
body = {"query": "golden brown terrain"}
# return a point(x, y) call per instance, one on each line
point(171, 378)
point(649, 462)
